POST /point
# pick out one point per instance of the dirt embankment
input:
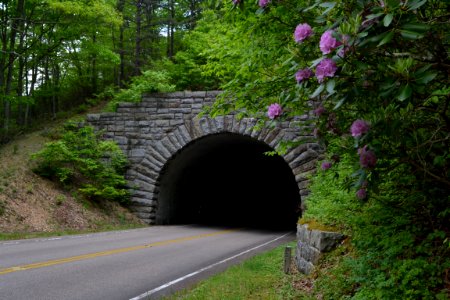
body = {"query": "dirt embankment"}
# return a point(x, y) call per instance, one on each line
point(29, 203)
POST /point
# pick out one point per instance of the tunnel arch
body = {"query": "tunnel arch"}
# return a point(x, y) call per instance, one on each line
point(155, 131)
point(227, 179)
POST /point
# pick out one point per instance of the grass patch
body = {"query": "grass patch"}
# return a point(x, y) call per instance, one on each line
point(260, 277)
point(31, 235)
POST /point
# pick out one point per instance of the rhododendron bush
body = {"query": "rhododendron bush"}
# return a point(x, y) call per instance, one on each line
point(374, 75)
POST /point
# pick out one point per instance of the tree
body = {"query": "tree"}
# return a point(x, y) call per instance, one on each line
point(375, 75)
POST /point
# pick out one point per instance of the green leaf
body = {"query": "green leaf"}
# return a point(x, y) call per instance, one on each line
point(340, 102)
point(374, 16)
point(416, 27)
point(329, 6)
point(422, 70)
point(386, 39)
point(411, 34)
point(319, 90)
point(405, 93)
point(412, 5)
point(387, 20)
point(259, 11)
point(427, 77)
point(330, 86)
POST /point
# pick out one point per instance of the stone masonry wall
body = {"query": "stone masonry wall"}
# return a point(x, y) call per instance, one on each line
point(153, 131)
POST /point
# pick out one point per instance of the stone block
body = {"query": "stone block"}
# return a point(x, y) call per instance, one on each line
point(304, 266)
point(136, 201)
point(195, 94)
point(308, 252)
point(137, 153)
point(142, 209)
point(93, 117)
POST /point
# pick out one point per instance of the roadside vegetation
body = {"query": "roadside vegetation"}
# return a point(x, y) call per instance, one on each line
point(260, 277)
point(373, 73)
point(32, 206)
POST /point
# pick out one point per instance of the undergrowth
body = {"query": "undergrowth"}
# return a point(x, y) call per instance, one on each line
point(396, 251)
point(80, 159)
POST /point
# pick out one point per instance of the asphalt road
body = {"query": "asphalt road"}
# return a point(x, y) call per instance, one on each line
point(133, 264)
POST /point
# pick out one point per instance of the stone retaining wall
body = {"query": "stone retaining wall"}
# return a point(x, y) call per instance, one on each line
point(311, 244)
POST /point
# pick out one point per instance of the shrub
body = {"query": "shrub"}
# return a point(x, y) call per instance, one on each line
point(398, 251)
point(81, 159)
point(149, 82)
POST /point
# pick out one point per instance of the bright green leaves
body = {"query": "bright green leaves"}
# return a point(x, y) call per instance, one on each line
point(82, 160)
point(386, 38)
point(414, 31)
point(405, 92)
point(415, 4)
point(387, 20)
point(92, 11)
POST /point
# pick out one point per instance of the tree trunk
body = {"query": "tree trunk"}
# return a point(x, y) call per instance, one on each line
point(170, 30)
point(121, 73)
point(137, 59)
point(11, 60)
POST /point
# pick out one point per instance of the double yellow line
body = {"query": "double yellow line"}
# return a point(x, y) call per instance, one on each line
point(108, 252)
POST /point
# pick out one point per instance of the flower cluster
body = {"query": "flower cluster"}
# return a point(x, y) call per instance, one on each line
point(326, 165)
point(326, 68)
point(361, 193)
point(263, 3)
point(274, 110)
point(328, 42)
point(302, 32)
point(303, 74)
point(319, 111)
point(359, 127)
point(367, 158)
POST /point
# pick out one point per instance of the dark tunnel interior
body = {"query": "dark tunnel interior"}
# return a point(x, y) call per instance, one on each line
point(227, 180)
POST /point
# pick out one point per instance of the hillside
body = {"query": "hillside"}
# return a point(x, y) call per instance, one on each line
point(31, 204)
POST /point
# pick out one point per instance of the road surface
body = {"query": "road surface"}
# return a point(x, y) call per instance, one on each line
point(133, 264)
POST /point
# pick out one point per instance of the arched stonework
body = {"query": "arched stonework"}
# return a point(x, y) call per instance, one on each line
point(153, 131)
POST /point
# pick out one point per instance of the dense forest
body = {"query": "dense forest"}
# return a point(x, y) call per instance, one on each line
point(375, 74)
point(58, 55)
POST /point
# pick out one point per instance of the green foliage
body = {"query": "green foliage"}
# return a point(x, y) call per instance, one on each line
point(260, 277)
point(82, 159)
point(395, 245)
point(330, 203)
point(149, 82)
point(392, 72)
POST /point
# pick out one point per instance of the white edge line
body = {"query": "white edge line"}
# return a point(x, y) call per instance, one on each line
point(161, 287)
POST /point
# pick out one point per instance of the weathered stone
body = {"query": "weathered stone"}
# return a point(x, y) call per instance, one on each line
point(304, 266)
point(152, 131)
point(136, 201)
point(142, 209)
point(308, 252)
point(310, 245)
point(93, 117)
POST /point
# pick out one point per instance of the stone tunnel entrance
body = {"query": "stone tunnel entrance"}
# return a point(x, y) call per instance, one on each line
point(226, 179)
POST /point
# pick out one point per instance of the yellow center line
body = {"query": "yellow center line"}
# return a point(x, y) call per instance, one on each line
point(108, 252)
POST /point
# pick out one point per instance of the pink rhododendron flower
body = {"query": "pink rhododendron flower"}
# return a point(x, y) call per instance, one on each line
point(359, 127)
point(274, 110)
point(361, 194)
point(367, 158)
point(326, 165)
point(319, 111)
point(328, 42)
point(326, 68)
point(263, 3)
point(236, 2)
point(302, 32)
point(303, 74)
